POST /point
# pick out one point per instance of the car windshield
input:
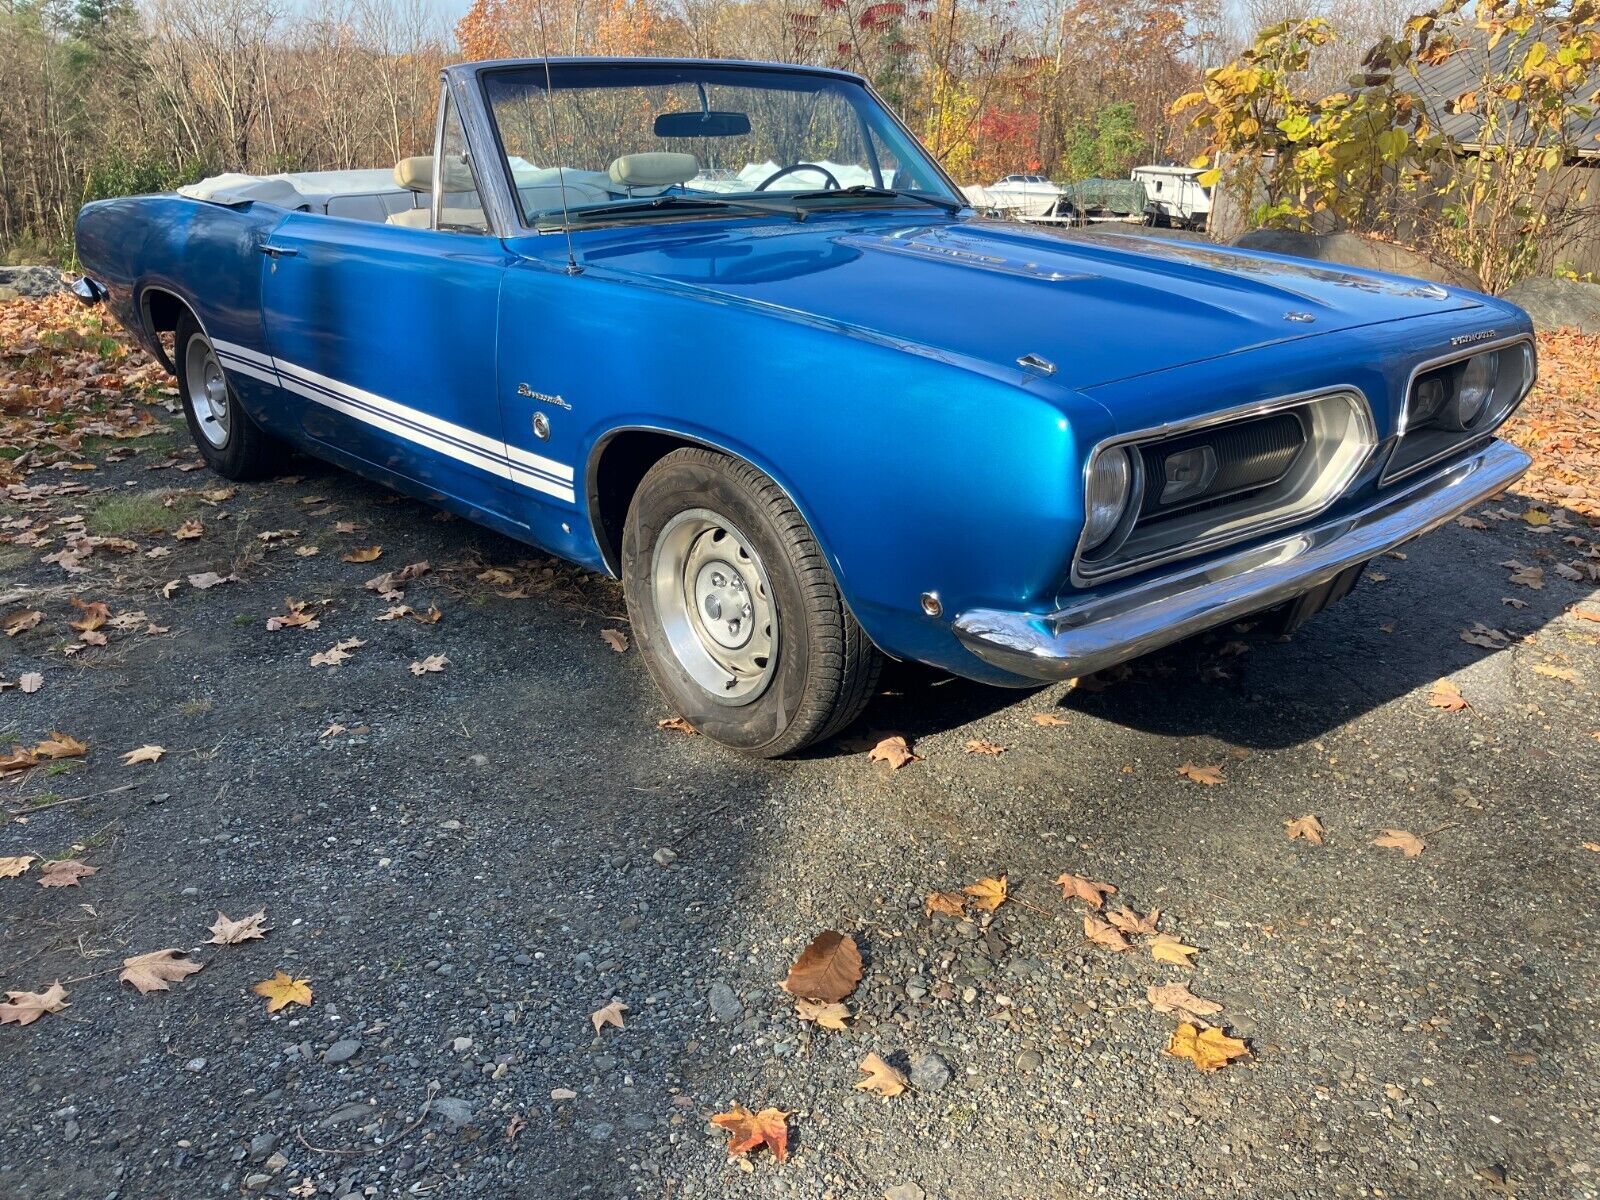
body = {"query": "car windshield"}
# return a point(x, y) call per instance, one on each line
point(625, 141)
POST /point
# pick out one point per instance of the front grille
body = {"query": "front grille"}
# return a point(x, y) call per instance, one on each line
point(1213, 484)
point(1246, 456)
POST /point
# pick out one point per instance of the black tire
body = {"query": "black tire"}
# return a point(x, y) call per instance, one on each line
point(235, 447)
point(822, 669)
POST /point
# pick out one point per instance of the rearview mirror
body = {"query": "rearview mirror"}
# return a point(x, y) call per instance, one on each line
point(702, 124)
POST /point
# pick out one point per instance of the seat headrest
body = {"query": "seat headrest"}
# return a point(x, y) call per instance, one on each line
point(416, 174)
point(656, 169)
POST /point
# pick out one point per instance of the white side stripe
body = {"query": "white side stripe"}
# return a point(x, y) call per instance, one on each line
point(442, 437)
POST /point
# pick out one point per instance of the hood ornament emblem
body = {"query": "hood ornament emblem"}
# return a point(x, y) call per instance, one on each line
point(1302, 317)
point(1037, 362)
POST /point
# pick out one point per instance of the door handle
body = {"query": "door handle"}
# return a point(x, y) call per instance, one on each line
point(279, 251)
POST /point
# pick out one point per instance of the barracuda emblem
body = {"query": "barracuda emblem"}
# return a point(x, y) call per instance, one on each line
point(1466, 339)
point(527, 393)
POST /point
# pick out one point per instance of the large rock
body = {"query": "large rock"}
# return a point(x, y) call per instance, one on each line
point(30, 282)
point(1353, 250)
point(1558, 303)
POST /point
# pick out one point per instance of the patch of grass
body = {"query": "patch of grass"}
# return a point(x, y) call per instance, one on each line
point(13, 556)
point(243, 619)
point(196, 708)
point(135, 512)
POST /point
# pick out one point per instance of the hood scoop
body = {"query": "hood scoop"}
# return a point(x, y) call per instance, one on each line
point(949, 246)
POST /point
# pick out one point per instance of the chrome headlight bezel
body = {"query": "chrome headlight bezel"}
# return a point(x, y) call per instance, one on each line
point(1439, 431)
point(1112, 479)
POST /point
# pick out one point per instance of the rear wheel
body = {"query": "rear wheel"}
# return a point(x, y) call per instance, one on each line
point(232, 444)
point(735, 610)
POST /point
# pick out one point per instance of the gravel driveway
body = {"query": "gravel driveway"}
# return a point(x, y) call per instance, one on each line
point(466, 863)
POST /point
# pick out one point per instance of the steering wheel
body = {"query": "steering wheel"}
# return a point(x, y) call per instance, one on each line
point(832, 184)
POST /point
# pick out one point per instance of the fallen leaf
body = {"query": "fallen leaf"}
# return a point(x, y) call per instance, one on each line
point(616, 639)
point(431, 665)
point(337, 653)
point(1179, 1001)
point(611, 1014)
point(208, 579)
point(1584, 614)
point(94, 616)
point(895, 751)
point(1306, 827)
point(828, 969)
point(677, 725)
point(1131, 923)
point(64, 872)
point(1209, 1050)
point(1105, 935)
point(979, 746)
point(1471, 523)
point(332, 730)
point(307, 551)
point(300, 615)
point(30, 682)
point(1480, 634)
point(1592, 847)
point(1049, 719)
point(60, 745)
point(1447, 696)
point(1565, 674)
point(828, 1016)
point(880, 1077)
point(189, 530)
point(1210, 776)
point(362, 554)
point(18, 760)
point(1168, 949)
point(144, 754)
point(17, 623)
point(1535, 517)
point(1077, 887)
point(987, 894)
point(1408, 844)
point(154, 971)
point(15, 865)
point(1529, 577)
point(750, 1131)
point(225, 931)
point(950, 904)
point(283, 990)
point(24, 1008)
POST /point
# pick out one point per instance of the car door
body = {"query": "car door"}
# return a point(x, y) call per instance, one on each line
point(383, 338)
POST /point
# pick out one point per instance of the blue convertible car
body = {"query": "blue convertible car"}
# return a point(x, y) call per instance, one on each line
point(726, 331)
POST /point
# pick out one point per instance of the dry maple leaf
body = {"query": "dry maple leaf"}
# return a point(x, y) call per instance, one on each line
point(1077, 887)
point(431, 665)
point(188, 531)
point(1529, 577)
point(895, 751)
point(206, 580)
point(1483, 636)
point(144, 754)
point(1105, 935)
point(24, 1008)
point(1408, 844)
point(979, 746)
point(611, 1014)
point(283, 990)
point(616, 639)
point(225, 931)
point(950, 904)
point(1130, 922)
point(1447, 695)
point(15, 865)
point(828, 1016)
point(94, 616)
point(60, 745)
point(750, 1131)
point(1168, 949)
point(64, 872)
point(987, 894)
point(1179, 1001)
point(677, 725)
point(828, 969)
point(18, 760)
point(431, 617)
point(337, 653)
point(1208, 1050)
point(154, 971)
point(363, 554)
point(880, 1077)
point(19, 622)
point(1049, 719)
point(1210, 776)
point(1307, 827)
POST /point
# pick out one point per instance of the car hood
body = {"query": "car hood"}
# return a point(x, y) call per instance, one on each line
point(1100, 307)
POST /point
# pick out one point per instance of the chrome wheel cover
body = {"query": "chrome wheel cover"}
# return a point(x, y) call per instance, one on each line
point(715, 605)
point(206, 391)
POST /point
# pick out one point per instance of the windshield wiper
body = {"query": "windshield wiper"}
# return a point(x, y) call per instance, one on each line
point(652, 205)
point(879, 193)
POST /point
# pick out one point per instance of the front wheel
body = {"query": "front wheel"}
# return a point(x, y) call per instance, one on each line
point(735, 609)
point(232, 444)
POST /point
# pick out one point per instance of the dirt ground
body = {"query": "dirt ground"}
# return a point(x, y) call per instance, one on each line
point(465, 863)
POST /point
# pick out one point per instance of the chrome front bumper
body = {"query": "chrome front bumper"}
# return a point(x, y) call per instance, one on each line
point(1111, 626)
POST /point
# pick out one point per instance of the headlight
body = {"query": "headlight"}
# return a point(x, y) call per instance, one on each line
point(1110, 487)
point(1473, 390)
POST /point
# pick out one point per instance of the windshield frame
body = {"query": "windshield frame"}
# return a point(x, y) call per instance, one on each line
point(506, 184)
